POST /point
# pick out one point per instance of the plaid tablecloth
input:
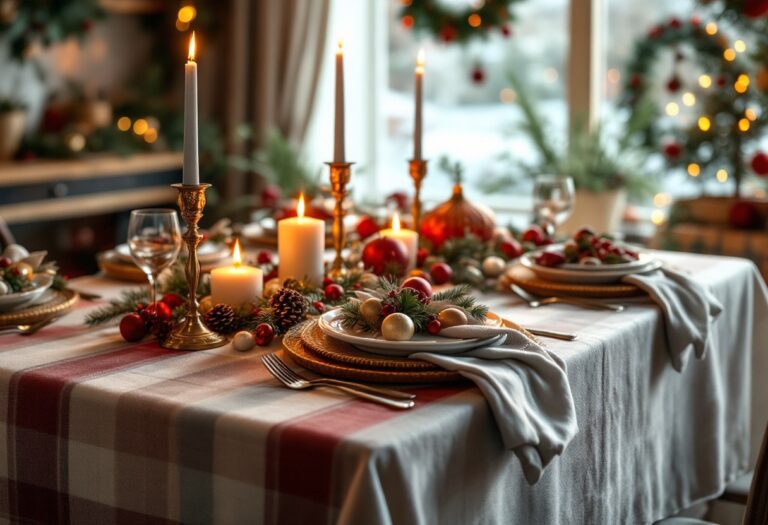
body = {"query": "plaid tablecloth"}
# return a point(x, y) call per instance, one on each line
point(97, 430)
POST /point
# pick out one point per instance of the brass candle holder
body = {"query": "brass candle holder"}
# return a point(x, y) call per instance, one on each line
point(418, 170)
point(192, 334)
point(340, 172)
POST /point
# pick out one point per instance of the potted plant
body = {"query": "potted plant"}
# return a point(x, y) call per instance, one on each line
point(606, 169)
point(12, 119)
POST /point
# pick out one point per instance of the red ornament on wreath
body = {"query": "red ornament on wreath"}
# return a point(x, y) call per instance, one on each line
point(759, 164)
point(455, 218)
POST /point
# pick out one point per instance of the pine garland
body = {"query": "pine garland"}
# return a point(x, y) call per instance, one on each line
point(117, 307)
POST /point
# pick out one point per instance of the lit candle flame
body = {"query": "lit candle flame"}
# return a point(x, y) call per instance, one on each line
point(300, 207)
point(237, 258)
point(396, 222)
point(192, 47)
point(420, 58)
point(340, 47)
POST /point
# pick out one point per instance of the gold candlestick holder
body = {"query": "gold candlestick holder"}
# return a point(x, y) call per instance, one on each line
point(192, 334)
point(340, 172)
point(418, 170)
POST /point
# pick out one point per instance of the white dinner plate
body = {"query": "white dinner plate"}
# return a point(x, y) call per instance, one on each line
point(330, 324)
point(14, 301)
point(207, 252)
point(583, 274)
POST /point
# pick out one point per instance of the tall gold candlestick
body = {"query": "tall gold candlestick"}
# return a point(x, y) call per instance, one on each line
point(417, 170)
point(192, 334)
point(340, 172)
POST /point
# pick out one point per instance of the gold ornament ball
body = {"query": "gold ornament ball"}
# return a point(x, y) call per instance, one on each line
point(369, 280)
point(397, 327)
point(370, 310)
point(452, 317)
point(22, 269)
point(243, 341)
point(493, 266)
point(271, 287)
point(205, 305)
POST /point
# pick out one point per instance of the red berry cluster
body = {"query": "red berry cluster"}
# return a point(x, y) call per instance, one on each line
point(154, 318)
point(588, 248)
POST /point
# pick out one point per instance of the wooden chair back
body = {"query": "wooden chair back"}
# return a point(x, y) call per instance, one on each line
point(757, 502)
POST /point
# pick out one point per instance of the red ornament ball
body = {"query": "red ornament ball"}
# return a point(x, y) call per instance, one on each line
point(385, 256)
point(419, 284)
point(158, 311)
point(441, 273)
point(327, 281)
point(448, 33)
point(434, 327)
point(334, 292)
point(421, 256)
point(672, 150)
point(755, 8)
point(675, 23)
point(478, 75)
point(133, 328)
point(655, 31)
point(511, 249)
point(367, 227)
point(270, 196)
point(264, 257)
point(173, 300)
point(534, 234)
point(674, 84)
point(264, 334)
point(5, 262)
point(759, 164)
point(319, 306)
point(744, 215)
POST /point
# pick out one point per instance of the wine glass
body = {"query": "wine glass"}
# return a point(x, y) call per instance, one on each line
point(154, 239)
point(553, 199)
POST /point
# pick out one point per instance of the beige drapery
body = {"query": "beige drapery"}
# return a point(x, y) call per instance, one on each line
point(273, 55)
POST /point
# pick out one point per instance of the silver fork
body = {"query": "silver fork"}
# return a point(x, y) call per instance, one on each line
point(286, 376)
point(535, 302)
point(29, 329)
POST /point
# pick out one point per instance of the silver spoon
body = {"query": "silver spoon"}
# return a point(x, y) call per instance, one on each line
point(535, 302)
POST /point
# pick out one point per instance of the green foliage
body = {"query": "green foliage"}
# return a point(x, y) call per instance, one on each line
point(117, 307)
point(460, 296)
point(596, 162)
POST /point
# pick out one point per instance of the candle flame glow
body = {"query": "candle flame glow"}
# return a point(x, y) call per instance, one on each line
point(340, 47)
point(396, 222)
point(237, 258)
point(192, 48)
point(300, 207)
point(420, 58)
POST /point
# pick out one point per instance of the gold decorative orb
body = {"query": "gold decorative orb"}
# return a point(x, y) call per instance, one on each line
point(205, 305)
point(370, 309)
point(452, 317)
point(397, 327)
point(455, 218)
point(22, 269)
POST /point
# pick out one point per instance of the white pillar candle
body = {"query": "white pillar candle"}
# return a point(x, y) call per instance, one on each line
point(300, 247)
point(417, 131)
point(237, 284)
point(408, 237)
point(338, 130)
point(191, 164)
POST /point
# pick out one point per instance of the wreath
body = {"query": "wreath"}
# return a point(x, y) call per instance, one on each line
point(722, 108)
point(458, 25)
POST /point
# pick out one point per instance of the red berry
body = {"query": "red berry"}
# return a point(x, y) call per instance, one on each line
point(327, 281)
point(672, 150)
point(533, 234)
point(759, 164)
point(264, 334)
point(434, 327)
point(550, 259)
point(334, 292)
point(319, 306)
point(5, 262)
point(367, 227)
point(270, 196)
point(264, 257)
point(133, 328)
point(387, 309)
point(421, 256)
point(173, 300)
point(255, 311)
point(441, 273)
point(511, 249)
point(506, 31)
point(674, 85)
point(675, 23)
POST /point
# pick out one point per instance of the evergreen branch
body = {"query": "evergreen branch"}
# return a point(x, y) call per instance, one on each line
point(127, 303)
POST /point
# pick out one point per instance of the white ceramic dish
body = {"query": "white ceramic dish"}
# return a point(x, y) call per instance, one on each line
point(14, 301)
point(583, 274)
point(330, 324)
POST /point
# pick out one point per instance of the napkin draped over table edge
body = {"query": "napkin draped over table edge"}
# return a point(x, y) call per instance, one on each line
point(688, 308)
point(526, 387)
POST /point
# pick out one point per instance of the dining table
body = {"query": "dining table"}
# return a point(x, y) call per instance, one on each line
point(94, 429)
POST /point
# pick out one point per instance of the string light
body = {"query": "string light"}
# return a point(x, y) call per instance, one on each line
point(150, 136)
point(722, 175)
point(741, 84)
point(711, 28)
point(729, 54)
point(613, 75)
point(694, 169)
point(672, 109)
point(140, 126)
point(507, 95)
point(407, 21)
point(474, 20)
point(740, 46)
point(704, 123)
point(751, 114)
point(689, 99)
point(705, 81)
point(76, 142)
point(744, 124)
point(187, 14)
point(657, 217)
point(124, 123)
point(662, 199)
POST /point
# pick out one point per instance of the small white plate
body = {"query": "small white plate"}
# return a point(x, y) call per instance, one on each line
point(583, 274)
point(330, 324)
point(207, 252)
point(14, 301)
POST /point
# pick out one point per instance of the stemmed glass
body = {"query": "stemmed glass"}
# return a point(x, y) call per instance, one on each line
point(553, 199)
point(154, 239)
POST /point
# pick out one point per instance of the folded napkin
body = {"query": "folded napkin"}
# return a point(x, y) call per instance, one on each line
point(688, 309)
point(526, 388)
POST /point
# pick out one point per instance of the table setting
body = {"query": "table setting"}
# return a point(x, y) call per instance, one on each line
point(443, 369)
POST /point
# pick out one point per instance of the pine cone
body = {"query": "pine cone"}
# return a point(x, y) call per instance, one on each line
point(221, 318)
point(288, 307)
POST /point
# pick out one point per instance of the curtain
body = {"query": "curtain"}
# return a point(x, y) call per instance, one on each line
point(273, 53)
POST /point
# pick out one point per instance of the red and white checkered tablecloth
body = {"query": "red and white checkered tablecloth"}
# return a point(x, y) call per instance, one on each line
point(97, 430)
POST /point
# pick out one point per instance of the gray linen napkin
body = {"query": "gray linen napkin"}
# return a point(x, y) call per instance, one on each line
point(688, 309)
point(526, 388)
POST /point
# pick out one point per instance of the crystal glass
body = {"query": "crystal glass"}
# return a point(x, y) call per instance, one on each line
point(553, 199)
point(154, 238)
